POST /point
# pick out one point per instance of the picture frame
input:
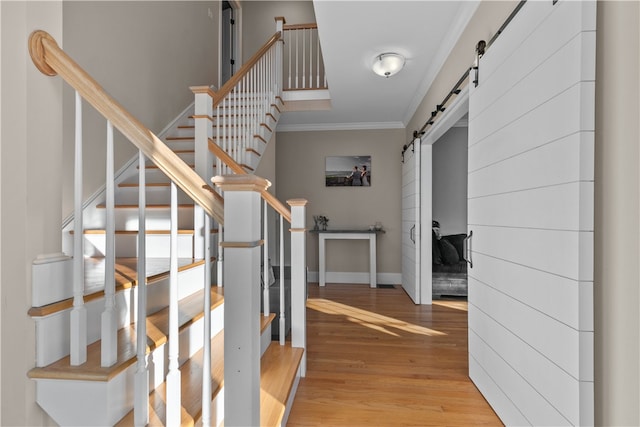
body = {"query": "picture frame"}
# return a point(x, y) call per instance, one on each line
point(347, 171)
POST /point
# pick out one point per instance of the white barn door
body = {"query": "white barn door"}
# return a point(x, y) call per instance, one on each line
point(411, 222)
point(531, 161)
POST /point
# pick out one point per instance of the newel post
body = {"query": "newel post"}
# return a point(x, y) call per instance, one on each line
point(203, 132)
point(280, 21)
point(299, 278)
point(242, 249)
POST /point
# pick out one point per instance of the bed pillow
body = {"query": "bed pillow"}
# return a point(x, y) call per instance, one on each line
point(448, 252)
point(435, 249)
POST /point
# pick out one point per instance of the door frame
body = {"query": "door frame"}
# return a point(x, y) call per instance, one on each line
point(237, 37)
point(453, 113)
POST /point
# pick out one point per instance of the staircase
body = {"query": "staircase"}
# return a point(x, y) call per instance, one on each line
point(125, 327)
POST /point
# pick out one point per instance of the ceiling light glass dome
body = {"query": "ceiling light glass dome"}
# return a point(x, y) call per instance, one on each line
point(388, 64)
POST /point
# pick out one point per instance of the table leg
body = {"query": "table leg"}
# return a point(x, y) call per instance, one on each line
point(372, 261)
point(321, 258)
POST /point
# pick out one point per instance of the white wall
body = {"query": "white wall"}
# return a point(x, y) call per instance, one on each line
point(450, 181)
point(30, 178)
point(300, 173)
point(146, 54)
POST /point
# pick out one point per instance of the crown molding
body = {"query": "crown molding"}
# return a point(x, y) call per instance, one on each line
point(339, 126)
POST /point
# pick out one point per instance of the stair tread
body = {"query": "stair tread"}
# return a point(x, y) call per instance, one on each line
point(135, 232)
point(279, 366)
point(126, 276)
point(157, 334)
point(149, 206)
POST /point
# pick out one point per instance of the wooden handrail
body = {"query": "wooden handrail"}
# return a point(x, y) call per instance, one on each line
point(276, 204)
point(310, 26)
point(246, 67)
point(51, 60)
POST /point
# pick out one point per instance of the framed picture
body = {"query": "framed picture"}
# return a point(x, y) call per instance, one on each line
point(347, 171)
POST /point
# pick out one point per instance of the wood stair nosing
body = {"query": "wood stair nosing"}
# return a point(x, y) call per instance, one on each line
point(157, 334)
point(278, 368)
point(126, 278)
point(180, 138)
point(150, 206)
point(135, 232)
point(152, 166)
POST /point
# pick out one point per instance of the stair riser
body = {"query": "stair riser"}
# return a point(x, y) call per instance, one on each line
point(89, 403)
point(156, 218)
point(154, 196)
point(52, 332)
point(126, 245)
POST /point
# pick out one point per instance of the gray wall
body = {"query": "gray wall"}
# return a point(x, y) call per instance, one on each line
point(30, 190)
point(258, 21)
point(300, 174)
point(146, 55)
point(617, 215)
point(450, 181)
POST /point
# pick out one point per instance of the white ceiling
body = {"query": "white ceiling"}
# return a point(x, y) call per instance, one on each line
point(353, 33)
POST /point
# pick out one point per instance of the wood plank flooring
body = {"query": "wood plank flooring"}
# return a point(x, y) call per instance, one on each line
point(376, 359)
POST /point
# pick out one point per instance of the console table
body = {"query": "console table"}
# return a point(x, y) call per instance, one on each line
point(324, 235)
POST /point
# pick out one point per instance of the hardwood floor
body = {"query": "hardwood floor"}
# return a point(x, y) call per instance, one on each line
point(376, 359)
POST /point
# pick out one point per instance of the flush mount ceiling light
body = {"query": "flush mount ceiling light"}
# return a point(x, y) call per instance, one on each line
point(388, 64)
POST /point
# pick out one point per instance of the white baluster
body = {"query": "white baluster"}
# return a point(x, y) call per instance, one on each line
point(297, 50)
point(304, 58)
point(254, 101)
point(265, 261)
point(173, 376)
point(317, 58)
point(282, 308)
point(206, 349)
point(217, 139)
point(220, 258)
point(243, 124)
point(109, 336)
point(141, 405)
point(298, 278)
point(290, 60)
point(223, 139)
point(78, 322)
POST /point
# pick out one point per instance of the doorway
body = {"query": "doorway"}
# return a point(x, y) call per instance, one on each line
point(449, 211)
point(443, 198)
point(229, 47)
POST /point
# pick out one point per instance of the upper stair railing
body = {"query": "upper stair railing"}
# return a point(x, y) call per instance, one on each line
point(242, 108)
point(303, 63)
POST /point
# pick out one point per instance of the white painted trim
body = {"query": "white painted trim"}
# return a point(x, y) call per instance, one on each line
point(52, 279)
point(306, 95)
point(357, 277)
point(451, 118)
point(292, 395)
point(339, 126)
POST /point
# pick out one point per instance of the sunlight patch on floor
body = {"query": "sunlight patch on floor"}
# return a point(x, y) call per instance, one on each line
point(456, 305)
point(369, 319)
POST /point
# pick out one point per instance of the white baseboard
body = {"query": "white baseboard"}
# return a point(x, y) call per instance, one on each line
point(356, 277)
point(51, 278)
